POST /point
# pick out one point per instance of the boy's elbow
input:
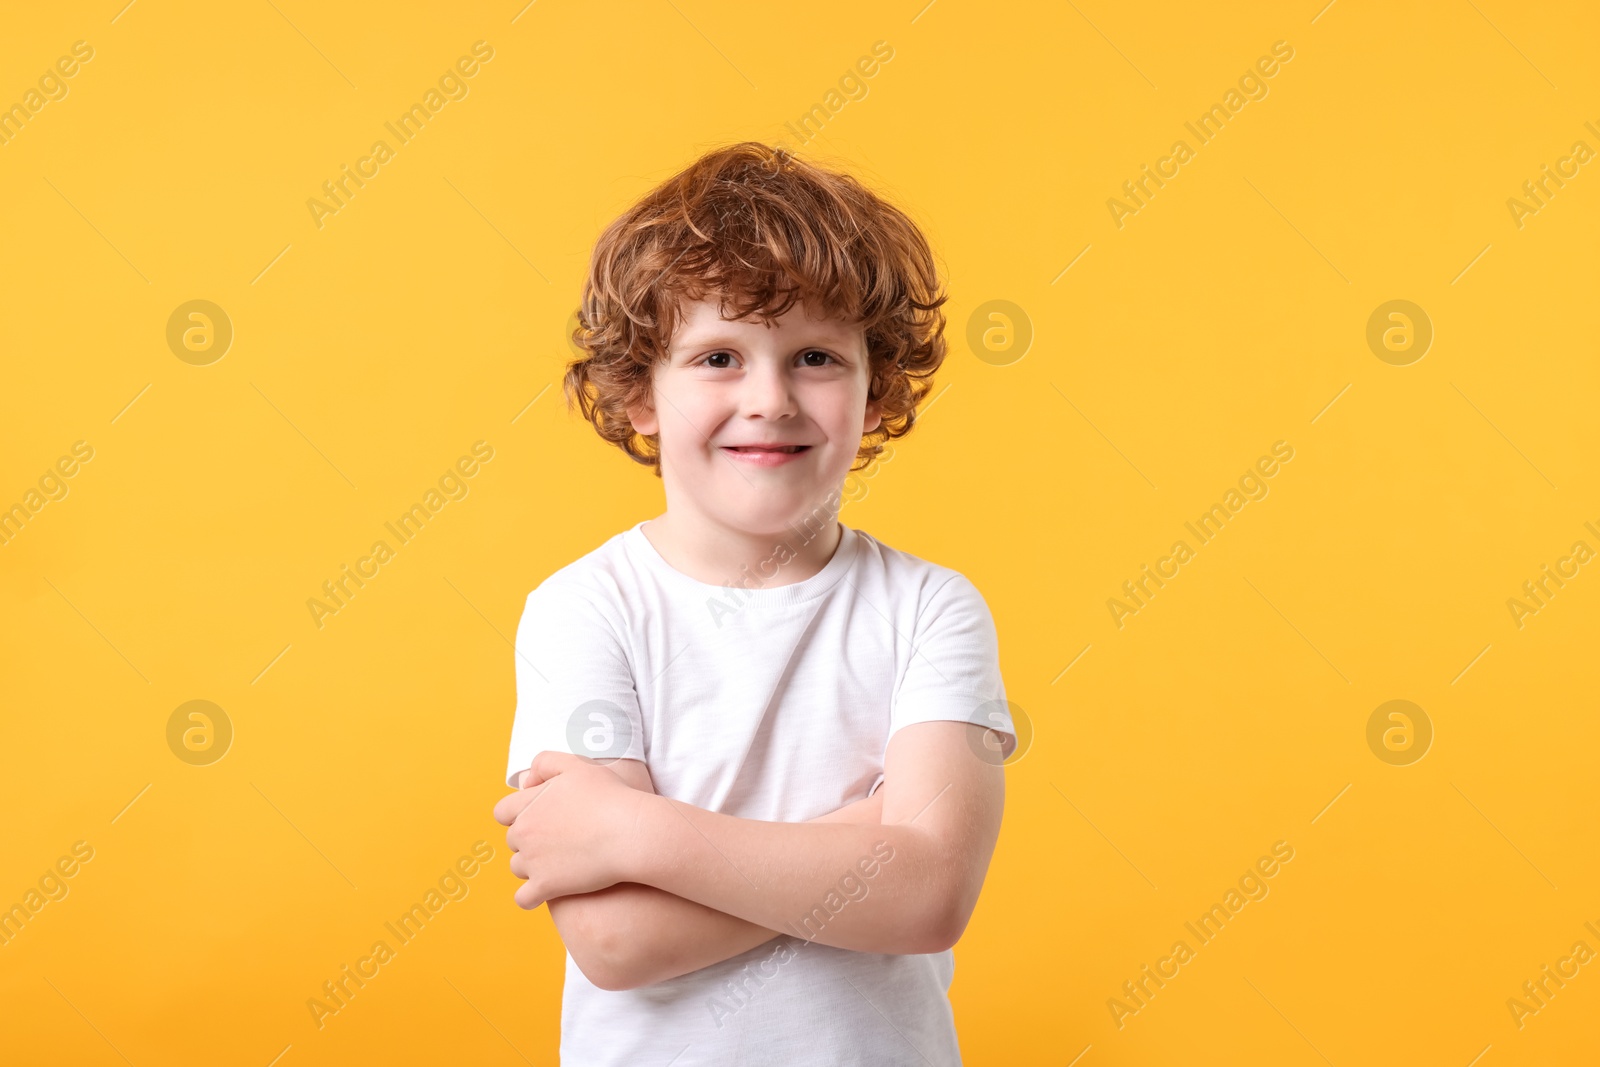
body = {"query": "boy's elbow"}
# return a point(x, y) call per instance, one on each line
point(951, 929)
point(600, 949)
point(602, 975)
point(920, 932)
point(949, 915)
point(615, 963)
point(937, 934)
point(600, 967)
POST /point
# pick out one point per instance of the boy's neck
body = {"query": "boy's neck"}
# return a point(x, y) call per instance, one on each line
point(719, 555)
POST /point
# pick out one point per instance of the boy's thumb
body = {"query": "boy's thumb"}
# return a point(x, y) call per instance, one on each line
point(522, 780)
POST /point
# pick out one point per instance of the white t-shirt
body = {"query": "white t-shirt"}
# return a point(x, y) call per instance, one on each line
point(773, 703)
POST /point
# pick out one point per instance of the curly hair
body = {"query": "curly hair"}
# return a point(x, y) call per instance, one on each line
point(760, 229)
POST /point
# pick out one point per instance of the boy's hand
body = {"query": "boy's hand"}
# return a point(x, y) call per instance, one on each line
point(569, 827)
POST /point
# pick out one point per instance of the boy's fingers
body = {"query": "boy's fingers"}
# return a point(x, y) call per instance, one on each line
point(508, 807)
point(505, 813)
point(547, 765)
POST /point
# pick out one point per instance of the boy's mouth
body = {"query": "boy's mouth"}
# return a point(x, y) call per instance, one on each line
point(764, 456)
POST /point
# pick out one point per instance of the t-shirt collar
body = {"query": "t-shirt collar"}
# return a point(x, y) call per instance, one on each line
point(755, 592)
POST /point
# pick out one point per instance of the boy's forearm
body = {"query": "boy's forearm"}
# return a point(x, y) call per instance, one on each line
point(632, 935)
point(878, 888)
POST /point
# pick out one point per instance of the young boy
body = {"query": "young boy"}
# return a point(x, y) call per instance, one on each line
point(760, 752)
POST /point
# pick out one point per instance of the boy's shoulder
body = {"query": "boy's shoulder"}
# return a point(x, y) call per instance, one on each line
point(920, 579)
point(599, 570)
point(900, 566)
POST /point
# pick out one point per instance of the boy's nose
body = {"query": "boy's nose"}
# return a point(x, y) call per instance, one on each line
point(767, 392)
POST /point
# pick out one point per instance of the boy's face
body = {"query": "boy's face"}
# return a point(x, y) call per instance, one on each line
point(802, 381)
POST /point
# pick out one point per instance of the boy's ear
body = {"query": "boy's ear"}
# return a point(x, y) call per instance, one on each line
point(874, 416)
point(643, 417)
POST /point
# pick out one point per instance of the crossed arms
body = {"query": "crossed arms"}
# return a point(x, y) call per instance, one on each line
point(643, 888)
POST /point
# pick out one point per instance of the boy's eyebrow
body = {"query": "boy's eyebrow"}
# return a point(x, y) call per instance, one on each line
point(814, 334)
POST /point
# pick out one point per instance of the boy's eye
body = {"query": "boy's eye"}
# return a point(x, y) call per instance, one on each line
point(713, 358)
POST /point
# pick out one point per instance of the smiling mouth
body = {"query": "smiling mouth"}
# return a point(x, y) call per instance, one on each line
point(749, 448)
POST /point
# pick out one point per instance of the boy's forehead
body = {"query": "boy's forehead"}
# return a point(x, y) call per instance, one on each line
point(702, 320)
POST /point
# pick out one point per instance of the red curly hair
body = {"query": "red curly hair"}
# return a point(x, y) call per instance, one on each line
point(760, 229)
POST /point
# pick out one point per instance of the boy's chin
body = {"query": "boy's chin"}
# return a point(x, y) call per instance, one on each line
point(782, 520)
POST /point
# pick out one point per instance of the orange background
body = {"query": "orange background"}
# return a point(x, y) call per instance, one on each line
point(1228, 313)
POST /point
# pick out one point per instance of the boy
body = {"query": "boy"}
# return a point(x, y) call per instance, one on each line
point(760, 752)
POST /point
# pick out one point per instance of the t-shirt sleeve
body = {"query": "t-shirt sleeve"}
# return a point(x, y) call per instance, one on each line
point(954, 672)
point(575, 689)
